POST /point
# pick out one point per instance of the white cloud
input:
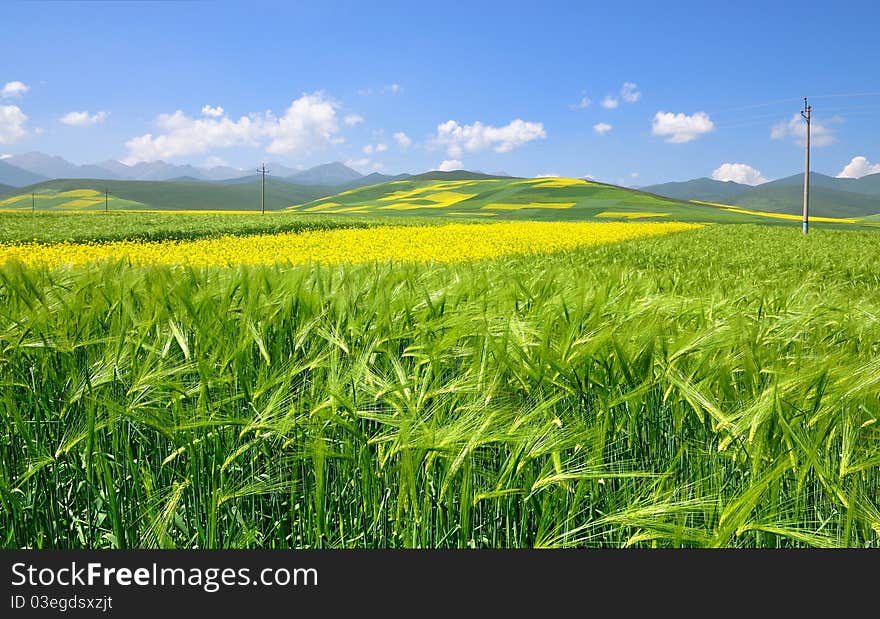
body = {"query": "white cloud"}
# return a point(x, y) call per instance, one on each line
point(590, 177)
point(602, 128)
point(634, 174)
point(213, 112)
point(738, 173)
point(450, 164)
point(365, 164)
point(83, 119)
point(629, 92)
point(476, 137)
point(609, 102)
point(547, 175)
point(309, 123)
point(583, 104)
point(12, 121)
point(402, 140)
point(795, 129)
point(214, 161)
point(859, 167)
point(388, 88)
point(680, 128)
point(369, 149)
point(353, 119)
point(13, 90)
point(183, 135)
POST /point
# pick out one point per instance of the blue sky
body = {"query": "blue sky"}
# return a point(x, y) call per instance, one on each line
point(696, 85)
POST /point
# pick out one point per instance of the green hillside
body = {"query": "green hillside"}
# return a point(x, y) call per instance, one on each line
point(86, 194)
point(867, 185)
point(436, 194)
point(464, 194)
point(829, 196)
point(458, 175)
point(705, 189)
point(6, 189)
point(824, 202)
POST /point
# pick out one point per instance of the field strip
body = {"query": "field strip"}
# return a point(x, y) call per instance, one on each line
point(517, 207)
point(629, 214)
point(447, 243)
point(786, 216)
point(133, 211)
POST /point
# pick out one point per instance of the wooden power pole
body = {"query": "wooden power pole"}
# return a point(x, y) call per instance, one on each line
point(263, 171)
point(806, 113)
point(106, 200)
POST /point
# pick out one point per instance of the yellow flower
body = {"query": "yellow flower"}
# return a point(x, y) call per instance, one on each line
point(444, 243)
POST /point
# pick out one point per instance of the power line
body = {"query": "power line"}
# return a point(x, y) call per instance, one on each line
point(755, 105)
point(849, 94)
point(791, 99)
point(263, 171)
point(870, 108)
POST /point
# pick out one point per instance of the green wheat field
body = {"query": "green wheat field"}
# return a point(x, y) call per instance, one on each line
point(717, 387)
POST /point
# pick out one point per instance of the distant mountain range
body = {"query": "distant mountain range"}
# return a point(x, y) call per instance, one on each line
point(829, 196)
point(16, 177)
point(33, 167)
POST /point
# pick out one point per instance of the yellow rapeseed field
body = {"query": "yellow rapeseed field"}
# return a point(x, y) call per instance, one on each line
point(79, 193)
point(629, 214)
point(557, 182)
point(80, 203)
point(446, 243)
point(518, 207)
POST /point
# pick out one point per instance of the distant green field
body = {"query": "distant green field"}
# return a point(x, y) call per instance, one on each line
point(88, 195)
point(558, 199)
point(69, 200)
point(435, 196)
point(81, 227)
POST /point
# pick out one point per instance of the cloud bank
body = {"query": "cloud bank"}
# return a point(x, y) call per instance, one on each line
point(309, 123)
point(458, 139)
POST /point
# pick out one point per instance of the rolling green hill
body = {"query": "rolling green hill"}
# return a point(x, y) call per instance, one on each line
point(433, 194)
point(705, 189)
point(824, 202)
point(829, 196)
point(467, 194)
point(458, 175)
point(6, 189)
point(866, 185)
point(85, 194)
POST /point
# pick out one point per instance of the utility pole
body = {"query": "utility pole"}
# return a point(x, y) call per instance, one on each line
point(806, 113)
point(106, 200)
point(33, 202)
point(264, 172)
